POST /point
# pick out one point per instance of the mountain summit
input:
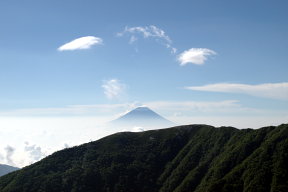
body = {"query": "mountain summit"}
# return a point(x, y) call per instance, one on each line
point(142, 117)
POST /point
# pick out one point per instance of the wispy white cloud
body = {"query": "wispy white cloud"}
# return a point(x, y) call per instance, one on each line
point(218, 113)
point(110, 111)
point(132, 39)
point(181, 112)
point(67, 110)
point(195, 106)
point(113, 89)
point(99, 110)
point(268, 90)
point(81, 43)
point(148, 32)
point(196, 56)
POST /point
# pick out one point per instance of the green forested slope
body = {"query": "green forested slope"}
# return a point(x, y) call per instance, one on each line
point(187, 158)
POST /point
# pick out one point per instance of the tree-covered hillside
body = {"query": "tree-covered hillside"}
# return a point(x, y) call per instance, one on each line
point(180, 159)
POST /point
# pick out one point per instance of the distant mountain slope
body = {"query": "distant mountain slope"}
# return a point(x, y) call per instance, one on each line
point(180, 159)
point(4, 169)
point(142, 117)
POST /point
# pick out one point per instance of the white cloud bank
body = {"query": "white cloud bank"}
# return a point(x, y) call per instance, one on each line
point(196, 56)
point(35, 152)
point(148, 32)
point(113, 89)
point(45, 135)
point(81, 43)
point(9, 153)
point(268, 90)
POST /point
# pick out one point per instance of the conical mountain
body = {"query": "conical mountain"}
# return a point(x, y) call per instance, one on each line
point(142, 117)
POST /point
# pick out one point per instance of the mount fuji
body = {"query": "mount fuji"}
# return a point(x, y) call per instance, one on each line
point(142, 118)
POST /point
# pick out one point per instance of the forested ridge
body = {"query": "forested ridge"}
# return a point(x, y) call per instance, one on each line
point(179, 159)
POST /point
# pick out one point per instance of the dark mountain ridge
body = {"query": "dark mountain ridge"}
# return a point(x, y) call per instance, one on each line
point(180, 159)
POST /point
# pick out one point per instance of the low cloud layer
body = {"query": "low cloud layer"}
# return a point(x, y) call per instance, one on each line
point(148, 32)
point(81, 43)
point(268, 90)
point(196, 56)
point(47, 135)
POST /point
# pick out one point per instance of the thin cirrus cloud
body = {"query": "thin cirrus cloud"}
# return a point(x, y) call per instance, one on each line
point(81, 43)
point(113, 89)
point(196, 56)
point(268, 90)
point(148, 32)
point(123, 108)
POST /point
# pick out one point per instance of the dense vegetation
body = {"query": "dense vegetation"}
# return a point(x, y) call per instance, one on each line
point(181, 159)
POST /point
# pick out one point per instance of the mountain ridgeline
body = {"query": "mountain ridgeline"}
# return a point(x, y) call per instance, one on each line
point(180, 159)
point(4, 169)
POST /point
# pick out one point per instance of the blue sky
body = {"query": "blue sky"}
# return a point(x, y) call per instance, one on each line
point(212, 62)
